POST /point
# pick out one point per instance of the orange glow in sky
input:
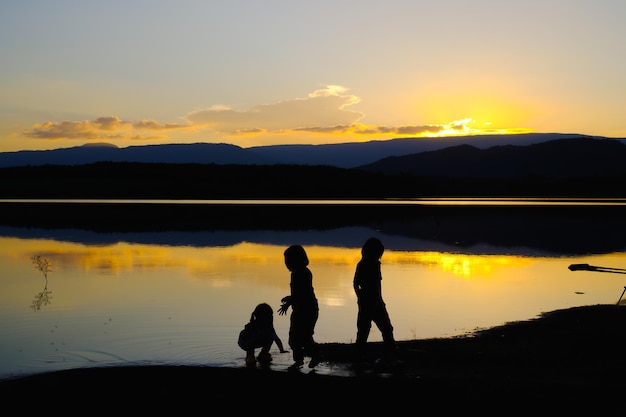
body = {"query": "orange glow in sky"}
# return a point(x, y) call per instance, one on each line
point(252, 74)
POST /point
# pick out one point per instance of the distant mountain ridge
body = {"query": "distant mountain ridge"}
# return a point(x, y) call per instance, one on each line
point(343, 155)
point(201, 153)
point(568, 167)
point(354, 154)
point(580, 157)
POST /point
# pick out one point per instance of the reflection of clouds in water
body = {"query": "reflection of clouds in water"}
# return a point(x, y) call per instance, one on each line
point(333, 302)
point(220, 283)
point(169, 300)
point(489, 265)
point(246, 262)
point(106, 259)
point(114, 259)
point(123, 257)
point(262, 264)
point(462, 265)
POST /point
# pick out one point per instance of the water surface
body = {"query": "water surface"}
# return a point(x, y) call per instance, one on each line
point(166, 292)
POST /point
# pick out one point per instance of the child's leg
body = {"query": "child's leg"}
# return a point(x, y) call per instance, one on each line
point(298, 355)
point(265, 356)
point(250, 360)
point(266, 347)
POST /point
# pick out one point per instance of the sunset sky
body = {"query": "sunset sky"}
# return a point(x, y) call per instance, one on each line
point(139, 72)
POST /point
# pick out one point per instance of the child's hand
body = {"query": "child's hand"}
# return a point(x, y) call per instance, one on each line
point(282, 310)
point(286, 302)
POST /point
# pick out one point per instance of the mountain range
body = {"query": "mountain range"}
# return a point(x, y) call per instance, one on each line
point(469, 153)
point(569, 158)
point(549, 165)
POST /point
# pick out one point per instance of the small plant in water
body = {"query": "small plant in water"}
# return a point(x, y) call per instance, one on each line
point(45, 266)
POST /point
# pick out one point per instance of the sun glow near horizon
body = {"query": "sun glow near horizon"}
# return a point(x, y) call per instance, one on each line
point(324, 116)
point(467, 127)
point(307, 76)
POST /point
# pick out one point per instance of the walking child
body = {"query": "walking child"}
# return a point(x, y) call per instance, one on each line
point(304, 308)
point(368, 288)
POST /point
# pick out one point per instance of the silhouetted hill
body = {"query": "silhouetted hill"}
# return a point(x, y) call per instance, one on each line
point(564, 158)
point(344, 155)
point(570, 167)
point(354, 154)
point(201, 153)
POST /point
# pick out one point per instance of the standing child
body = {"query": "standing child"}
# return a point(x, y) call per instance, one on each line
point(260, 333)
point(304, 308)
point(371, 307)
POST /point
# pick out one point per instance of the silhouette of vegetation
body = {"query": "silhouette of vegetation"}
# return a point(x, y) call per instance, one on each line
point(42, 299)
point(126, 180)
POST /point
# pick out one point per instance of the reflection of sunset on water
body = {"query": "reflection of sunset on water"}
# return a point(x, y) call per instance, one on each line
point(262, 264)
point(205, 292)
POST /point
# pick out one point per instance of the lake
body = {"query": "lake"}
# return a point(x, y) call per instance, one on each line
point(172, 282)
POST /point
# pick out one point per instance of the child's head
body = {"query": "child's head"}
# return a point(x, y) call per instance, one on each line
point(262, 312)
point(373, 248)
point(295, 257)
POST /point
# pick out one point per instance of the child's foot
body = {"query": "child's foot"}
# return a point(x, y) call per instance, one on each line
point(315, 360)
point(264, 358)
point(250, 361)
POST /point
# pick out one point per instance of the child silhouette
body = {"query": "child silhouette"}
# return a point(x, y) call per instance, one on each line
point(371, 306)
point(304, 308)
point(259, 332)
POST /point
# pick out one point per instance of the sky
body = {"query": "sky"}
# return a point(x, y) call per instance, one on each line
point(256, 73)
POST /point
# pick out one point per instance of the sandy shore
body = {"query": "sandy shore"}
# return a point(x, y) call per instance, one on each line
point(570, 359)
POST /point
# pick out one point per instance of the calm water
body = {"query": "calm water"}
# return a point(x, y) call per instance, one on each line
point(181, 296)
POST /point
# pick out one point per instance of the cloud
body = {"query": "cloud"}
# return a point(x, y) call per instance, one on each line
point(457, 126)
point(101, 127)
point(109, 127)
point(326, 107)
point(322, 113)
point(154, 125)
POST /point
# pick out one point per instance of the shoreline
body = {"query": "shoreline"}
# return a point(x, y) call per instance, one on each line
point(565, 357)
point(571, 230)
